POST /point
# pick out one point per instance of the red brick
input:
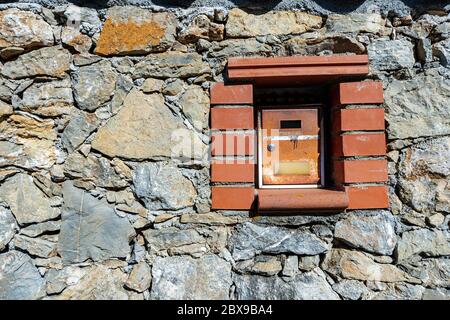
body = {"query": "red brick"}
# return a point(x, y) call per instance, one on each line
point(232, 197)
point(367, 92)
point(368, 197)
point(233, 144)
point(279, 71)
point(356, 171)
point(360, 119)
point(232, 118)
point(367, 144)
point(232, 172)
point(231, 93)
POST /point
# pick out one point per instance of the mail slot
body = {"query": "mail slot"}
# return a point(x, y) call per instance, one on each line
point(290, 147)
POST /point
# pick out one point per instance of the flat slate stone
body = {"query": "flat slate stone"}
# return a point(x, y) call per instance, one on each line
point(152, 131)
point(171, 64)
point(373, 233)
point(251, 239)
point(162, 186)
point(19, 278)
point(94, 85)
point(24, 29)
point(8, 227)
point(26, 201)
point(307, 286)
point(90, 228)
point(176, 278)
point(51, 61)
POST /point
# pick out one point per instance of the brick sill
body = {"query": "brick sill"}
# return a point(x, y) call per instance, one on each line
point(317, 200)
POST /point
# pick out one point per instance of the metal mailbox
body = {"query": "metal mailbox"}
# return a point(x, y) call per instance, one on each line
point(290, 147)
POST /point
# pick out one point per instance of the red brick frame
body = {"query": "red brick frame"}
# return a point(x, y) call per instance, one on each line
point(232, 108)
point(358, 144)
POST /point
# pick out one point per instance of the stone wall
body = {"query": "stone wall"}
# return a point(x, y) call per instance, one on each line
point(94, 205)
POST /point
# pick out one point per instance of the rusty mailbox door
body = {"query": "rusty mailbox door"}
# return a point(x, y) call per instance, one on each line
point(291, 146)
